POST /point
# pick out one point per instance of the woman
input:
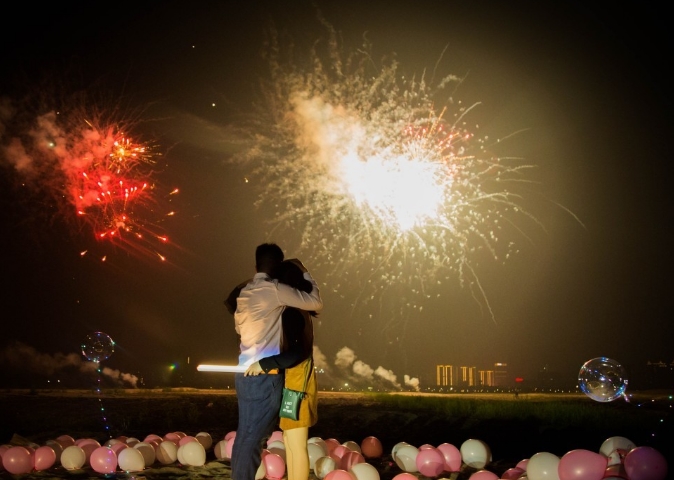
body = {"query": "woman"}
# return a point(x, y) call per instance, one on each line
point(297, 361)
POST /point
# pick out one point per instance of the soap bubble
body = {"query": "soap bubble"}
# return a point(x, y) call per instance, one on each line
point(98, 346)
point(602, 379)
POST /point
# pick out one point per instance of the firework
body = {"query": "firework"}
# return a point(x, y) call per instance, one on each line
point(92, 173)
point(378, 176)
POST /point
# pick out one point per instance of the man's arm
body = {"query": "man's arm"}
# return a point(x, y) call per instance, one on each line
point(292, 297)
point(230, 301)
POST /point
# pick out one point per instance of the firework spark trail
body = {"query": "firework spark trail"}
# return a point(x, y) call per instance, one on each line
point(92, 171)
point(378, 182)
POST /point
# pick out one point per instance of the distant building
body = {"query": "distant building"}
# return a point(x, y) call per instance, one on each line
point(469, 376)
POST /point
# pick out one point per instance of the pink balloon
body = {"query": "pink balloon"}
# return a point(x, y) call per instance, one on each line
point(231, 434)
point(229, 447)
point(452, 457)
point(338, 452)
point(339, 474)
point(349, 459)
point(17, 460)
point(276, 435)
point(430, 462)
point(274, 466)
point(172, 437)
point(512, 474)
point(187, 438)
point(405, 476)
point(152, 437)
point(371, 447)
point(103, 460)
point(44, 458)
point(483, 475)
point(118, 447)
point(523, 464)
point(332, 443)
point(645, 463)
point(65, 440)
point(582, 465)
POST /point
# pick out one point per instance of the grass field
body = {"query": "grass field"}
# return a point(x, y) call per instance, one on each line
point(513, 428)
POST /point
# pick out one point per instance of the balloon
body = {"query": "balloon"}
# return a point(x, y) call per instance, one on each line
point(405, 476)
point(172, 437)
point(452, 457)
point(338, 452)
point(147, 451)
point(261, 471)
point(58, 449)
point(111, 441)
point(97, 346)
point(351, 445)
point(483, 475)
point(167, 453)
point(205, 439)
point(581, 465)
point(430, 462)
point(512, 474)
point(543, 466)
point(339, 474)
point(364, 471)
point(103, 460)
point(151, 437)
point(523, 464)
point(193, 454)
point(65, 440)
point(349, 459)
point(332, 443)
point(276, 435)
point(180, 434)
point(475, 453)
point(602, 379)
point(118, 447)
point(321, 443)
point(73, 458)
point(274, 466)
point(131, 460)
point(397, 447)
point(231, 434)
point(220, 450)
point(645, 463)
point(17, 460)
point(406, 458)
point(615, 472)
point(131, 441)
point(315, 452)
point(371, 447)
point(324, 465)
point(612, 444)
point(44, 458)
point(185, 439)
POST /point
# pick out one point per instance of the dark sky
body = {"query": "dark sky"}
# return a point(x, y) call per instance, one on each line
point(587, 86)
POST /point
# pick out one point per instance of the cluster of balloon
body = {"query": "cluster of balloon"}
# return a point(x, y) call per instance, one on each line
point(98, 347)
point(434, 462)
point(125, 454)
point(603, 379)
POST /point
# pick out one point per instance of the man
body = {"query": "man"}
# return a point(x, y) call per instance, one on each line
point(257, 319)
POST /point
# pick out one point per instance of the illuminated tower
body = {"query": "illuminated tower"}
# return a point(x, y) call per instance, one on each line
point(444, 375)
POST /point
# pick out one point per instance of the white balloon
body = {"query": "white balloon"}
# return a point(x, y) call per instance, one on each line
point(193, 454)
point(130, 460)
point(364, 471)
point(612, 444)
point(315, 452)
point(205, 439)
point(73, 457)
point(406, 458)
point(167, 452)
point(132, 441)
point(351, 445)
point(220, 450)
point(475, 453)
point(324, 465)
point(261, 472)
point(543, 466)
point(397, 447)
point(147, 451)
point(277, 447)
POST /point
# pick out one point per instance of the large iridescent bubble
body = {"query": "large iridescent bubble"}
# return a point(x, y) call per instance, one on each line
point(602, 379)
point(98, 346)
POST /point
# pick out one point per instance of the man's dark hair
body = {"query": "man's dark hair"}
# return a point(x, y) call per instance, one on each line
point(267, 256)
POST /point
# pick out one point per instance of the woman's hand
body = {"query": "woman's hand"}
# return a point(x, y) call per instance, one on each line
point(254, 370)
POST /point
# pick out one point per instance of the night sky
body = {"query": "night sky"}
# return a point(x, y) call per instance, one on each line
point(585, 88)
